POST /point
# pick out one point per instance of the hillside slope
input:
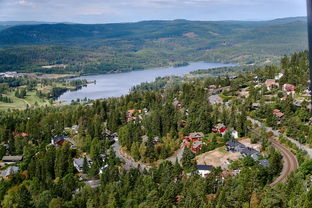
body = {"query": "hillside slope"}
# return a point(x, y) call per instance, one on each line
point(102, 48)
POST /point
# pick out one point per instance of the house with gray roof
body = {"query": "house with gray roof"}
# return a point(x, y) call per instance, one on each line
point(9, 171)
point(12, 159)
point(78, 163)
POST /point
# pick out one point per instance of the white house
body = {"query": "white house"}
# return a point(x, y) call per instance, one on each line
point(233, 133)
point(204, 170)
point(279, 76)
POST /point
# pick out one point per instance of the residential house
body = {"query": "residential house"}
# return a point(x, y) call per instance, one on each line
point(264, 162)
point(101, 169)
point(233, 77)
point(9, 171)
point(247, 151)
point(144, 138)
point(279, 76)
point(78, 163)
point(215, 100)
point(196, 146)
point(255, 106)
point(211, 88)
point(58, 140)
point(12, 159)
point(196, 136)
point(256, 79)
point(278, 113)
point(219, 128)
point(233, 133)
point(271, 84)
point(307, 91)
point(234, 146)
point(156, 140)
point(131, 115)
point(289, 89)
point(75, 128)
point(177, 104)
point(204, 170)
point(21, 135)
point(229, 173)
point(193, 141)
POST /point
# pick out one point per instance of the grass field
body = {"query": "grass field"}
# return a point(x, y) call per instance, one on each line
point(31, 100)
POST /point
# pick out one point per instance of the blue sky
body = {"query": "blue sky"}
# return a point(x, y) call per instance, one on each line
point(105, 11)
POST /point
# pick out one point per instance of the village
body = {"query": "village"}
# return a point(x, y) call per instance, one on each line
point(234, 148)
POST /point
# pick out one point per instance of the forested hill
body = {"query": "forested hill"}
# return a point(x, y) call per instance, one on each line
point(67, 34)
point(101, 48)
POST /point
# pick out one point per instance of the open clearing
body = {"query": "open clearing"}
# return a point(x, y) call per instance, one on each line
point(218, 157)
point(221, 158)
point(31, 100)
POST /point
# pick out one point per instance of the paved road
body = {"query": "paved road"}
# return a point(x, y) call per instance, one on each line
point(290, 162)
point(277, 134)
point(130, 163)
point(178, 155)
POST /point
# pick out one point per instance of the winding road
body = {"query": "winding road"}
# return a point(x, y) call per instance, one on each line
point(290, 162)
point(131, 163)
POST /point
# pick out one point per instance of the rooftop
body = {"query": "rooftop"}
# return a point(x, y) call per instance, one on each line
point(204, 167)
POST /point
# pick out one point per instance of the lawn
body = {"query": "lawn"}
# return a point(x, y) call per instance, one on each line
point(31, 100)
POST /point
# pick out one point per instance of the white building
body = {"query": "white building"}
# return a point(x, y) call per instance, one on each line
point(279, 76)
point(204, 170)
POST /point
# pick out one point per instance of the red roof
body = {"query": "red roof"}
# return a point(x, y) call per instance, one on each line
point(289, 87)
point(23, 134)
point(270, 82)
point(278, 113)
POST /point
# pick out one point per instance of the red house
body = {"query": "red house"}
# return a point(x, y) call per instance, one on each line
point(278, 113)
point(220, 128)
point(193, 141)
point(196, 146)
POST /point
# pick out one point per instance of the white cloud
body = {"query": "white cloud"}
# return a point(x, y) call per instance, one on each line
point(25, 3)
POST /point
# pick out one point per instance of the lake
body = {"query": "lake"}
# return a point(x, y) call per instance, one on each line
point(118, 84)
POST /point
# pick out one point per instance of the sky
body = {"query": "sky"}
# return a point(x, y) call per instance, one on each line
point(112, 11)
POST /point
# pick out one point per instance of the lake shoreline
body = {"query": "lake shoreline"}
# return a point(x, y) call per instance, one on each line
point(118, 84)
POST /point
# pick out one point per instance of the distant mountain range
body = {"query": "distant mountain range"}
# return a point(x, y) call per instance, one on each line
point(130, 46)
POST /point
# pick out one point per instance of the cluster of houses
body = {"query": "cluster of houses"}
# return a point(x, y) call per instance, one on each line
point(135, 115)
point(271, 84)
point(10, 75)
point(79, 163)
point(194, 140)
point(235, 146)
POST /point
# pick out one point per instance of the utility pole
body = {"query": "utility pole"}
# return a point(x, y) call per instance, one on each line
point(309, 10)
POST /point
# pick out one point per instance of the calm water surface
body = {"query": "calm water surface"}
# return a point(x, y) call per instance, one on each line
point(115, 85)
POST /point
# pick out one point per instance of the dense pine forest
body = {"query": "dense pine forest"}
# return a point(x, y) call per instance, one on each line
point(150, 124)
